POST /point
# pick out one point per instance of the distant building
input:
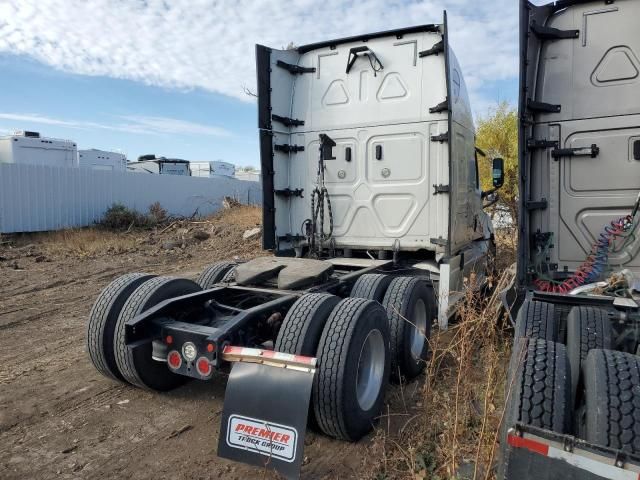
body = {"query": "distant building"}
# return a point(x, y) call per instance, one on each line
point(160, 166)
point(26, 147)
point(216, 168)
point(102, 160)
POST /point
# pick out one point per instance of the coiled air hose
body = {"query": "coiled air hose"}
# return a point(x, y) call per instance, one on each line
point(598, 259)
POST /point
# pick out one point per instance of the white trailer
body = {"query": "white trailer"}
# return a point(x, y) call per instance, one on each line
point(26, 147)
point(160, 166)
point(102, 160)
point(251, 176)
point(216, 168)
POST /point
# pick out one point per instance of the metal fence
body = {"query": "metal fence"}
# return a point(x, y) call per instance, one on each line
point(39, 198)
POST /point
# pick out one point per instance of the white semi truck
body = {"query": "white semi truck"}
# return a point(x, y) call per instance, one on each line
point(573, 388)
point(373, 211)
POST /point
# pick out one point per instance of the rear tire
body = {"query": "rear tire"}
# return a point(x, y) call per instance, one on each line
point(371, 286)
point(536, 320)
point(230, 276)
point(302, 326)
point(612, 400)
point(139, 368)
point(410, 306)
point(538, 385)
point(588, 328)
point(102, 322)
point(214, 274)
point(353, 369)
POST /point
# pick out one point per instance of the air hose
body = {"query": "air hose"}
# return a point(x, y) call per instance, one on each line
point(598, 259)
point(319, 202)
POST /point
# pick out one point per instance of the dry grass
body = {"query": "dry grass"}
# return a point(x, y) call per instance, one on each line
point(507, 240)
point(451, 430)
point(84, 242)
point(225, 229)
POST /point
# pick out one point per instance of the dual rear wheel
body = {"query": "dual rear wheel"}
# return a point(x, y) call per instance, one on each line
point(587, 389)
point(360, 341)
point(122, 300)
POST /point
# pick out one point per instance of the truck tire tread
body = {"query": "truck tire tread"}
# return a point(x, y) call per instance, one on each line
point(539, 383)
point(536, 320)
point(102, 319)
point(329, 397)
point(213, 274)
point(302, 326)
point(397, 304)
point(155, 376)
point(612, 399)
point(588, 328)
point(371, 286)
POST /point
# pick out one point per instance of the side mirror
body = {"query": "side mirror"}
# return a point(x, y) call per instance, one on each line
point(498, 172)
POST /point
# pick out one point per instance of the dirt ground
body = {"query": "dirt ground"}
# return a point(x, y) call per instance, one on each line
point(59, 418)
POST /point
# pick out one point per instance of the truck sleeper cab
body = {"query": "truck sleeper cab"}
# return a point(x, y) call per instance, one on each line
point(573, 408)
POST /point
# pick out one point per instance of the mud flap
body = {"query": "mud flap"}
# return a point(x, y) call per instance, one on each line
point(265, 409)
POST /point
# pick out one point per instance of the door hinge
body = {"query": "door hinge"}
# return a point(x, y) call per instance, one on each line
point(442, 242)
point(435, 50)
point(593, 151)
point(289, 122)
point(287, 192)
point(533, 144)
point(536, 205)
point(441, 107)
point(443, 137)
point(549, 33)
point(295, 69)
point(543, 107)
point(286, 148)
point(441, 189)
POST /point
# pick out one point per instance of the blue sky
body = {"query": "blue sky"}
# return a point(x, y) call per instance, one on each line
point(167, 77)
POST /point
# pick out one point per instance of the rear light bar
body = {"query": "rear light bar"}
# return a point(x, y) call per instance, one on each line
point(269, 357)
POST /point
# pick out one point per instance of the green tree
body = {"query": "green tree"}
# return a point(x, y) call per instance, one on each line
point(497, 136)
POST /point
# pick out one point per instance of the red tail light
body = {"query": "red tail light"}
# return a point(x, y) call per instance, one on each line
point(174, 360)
point(203, 366)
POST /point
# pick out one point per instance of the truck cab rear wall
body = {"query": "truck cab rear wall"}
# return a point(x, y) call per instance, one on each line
point(396, 105)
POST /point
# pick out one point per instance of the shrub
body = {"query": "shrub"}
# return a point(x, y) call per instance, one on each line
point(119, 217)
point(157, 214)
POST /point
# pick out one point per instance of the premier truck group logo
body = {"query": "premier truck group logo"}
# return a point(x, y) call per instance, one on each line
point(265, 438)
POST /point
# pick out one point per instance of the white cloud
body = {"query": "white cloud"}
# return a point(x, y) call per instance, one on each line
point(129, 124)
point(210, 44)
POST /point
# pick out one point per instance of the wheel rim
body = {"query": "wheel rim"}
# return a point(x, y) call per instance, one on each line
point(370, 370)
point(418, 329)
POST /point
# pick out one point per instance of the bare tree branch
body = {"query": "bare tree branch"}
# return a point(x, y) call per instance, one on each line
point(247, 91)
